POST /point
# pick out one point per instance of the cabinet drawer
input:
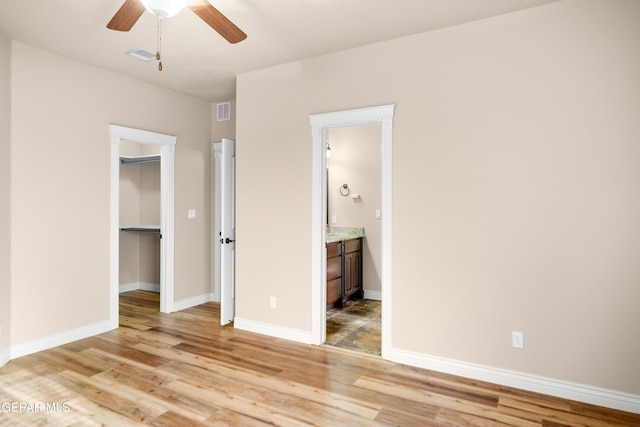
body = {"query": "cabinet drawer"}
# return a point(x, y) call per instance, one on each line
point(334, 268)
point(352, 245)
point(334, 249)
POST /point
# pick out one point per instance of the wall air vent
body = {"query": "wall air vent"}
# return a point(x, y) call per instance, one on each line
point(142, 55)
point(224, 111)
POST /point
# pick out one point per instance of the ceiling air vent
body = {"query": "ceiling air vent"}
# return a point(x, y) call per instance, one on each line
point(224, 111)
point(142, 55)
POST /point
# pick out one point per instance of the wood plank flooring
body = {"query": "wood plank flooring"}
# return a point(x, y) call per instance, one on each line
point(184, 369)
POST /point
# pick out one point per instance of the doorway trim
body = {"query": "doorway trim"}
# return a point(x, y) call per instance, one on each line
point(167, 154)
point(320, 123)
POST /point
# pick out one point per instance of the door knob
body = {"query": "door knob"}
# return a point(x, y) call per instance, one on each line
point(228, 240)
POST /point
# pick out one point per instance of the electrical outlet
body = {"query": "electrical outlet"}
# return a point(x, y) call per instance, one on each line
point(517, 339)
point(272, 302)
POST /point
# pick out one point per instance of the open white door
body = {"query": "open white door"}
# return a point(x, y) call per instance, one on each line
point(227, 234)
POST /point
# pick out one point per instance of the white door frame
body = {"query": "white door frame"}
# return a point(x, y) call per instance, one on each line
point(320, 123)
point(167, 153)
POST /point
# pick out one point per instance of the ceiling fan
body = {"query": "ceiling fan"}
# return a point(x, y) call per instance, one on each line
point(131, 10)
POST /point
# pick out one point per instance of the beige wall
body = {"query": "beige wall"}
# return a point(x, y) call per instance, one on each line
point(150, 214)
point(356, 161)
point(5, 186)
point(150, 193)
point(60, 189)
point(516, 196)
point(129, 215)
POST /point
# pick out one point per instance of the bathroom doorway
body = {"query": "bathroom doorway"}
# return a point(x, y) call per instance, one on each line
point(321, 124)
point(354, 200)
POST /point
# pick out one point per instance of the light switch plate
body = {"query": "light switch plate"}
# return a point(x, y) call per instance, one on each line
point(191, 214)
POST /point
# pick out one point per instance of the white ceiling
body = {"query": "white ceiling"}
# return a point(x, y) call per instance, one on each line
point(199, 62)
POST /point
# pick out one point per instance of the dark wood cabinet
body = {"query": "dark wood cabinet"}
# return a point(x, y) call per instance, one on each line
point(334, 275)
point(352, 270)
point(344, 272)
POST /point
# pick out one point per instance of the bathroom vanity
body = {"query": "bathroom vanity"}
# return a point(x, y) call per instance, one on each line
point(344, 265)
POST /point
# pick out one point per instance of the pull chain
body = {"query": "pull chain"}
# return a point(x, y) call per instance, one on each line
point(159, 44)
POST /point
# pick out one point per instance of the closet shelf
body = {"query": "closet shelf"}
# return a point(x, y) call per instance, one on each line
point(127, 160)
point(141, 227)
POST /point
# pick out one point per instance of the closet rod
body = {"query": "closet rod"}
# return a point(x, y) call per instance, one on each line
point(144, 228)
point(125, 160)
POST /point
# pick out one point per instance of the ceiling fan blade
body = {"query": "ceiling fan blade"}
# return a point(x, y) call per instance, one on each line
point(217, 21)
point(126, 16)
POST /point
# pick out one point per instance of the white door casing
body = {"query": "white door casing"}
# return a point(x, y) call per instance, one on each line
point(167, 155)
point(320, 123)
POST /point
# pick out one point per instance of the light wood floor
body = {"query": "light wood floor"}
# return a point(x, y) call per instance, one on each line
point(183, 369)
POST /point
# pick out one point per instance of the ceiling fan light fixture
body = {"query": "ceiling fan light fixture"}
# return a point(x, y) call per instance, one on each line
point(165, 8)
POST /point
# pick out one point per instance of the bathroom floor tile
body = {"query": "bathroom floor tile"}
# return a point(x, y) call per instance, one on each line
point(357, 326)
point(369, 309)
point(340, 325)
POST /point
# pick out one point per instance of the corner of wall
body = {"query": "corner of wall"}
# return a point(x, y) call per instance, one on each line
point(224, 128)
point(5, 194)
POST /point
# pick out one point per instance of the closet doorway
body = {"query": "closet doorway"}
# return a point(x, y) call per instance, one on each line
point(163, 148)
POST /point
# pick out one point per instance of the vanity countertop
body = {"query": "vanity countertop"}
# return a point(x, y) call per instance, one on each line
point(337, 234)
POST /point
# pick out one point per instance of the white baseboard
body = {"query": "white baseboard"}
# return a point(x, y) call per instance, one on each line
point(564, 389)
point(153, 287)
point(61, 338)
point(374, 295)
point(273, 330)
point(192, 302)
point(5, 356)
point(128, 287)
point(567, 390)
point(89, 330)
point(134, 286)
point(548, 386)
